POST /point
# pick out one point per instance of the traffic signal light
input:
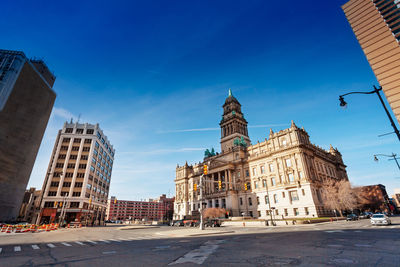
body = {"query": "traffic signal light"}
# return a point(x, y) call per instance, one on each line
point(90, 201)
point(61, 204)
point(220, 185)
point(55, 204)
point(205, 169)
point(245, 187)
point(115, 201)
point(195, 187)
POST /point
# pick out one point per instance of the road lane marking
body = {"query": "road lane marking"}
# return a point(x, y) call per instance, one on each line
point(89, 241)
point(334, 231)
point(199, 255)
point(358, 231)
point(17, 249)
point(79, 243)
point(66, 244)
point(51, 246)
point(108, 252)
point(35, 247)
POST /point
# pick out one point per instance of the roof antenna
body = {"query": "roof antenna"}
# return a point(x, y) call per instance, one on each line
point(79, 117)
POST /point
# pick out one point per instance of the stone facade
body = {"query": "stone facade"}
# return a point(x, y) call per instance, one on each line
point(286, 167)
point(26, 101)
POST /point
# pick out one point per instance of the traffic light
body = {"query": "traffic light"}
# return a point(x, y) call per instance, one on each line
point(90, 201)
point(61, 204)
point(205, 169)
point(219, 185)
point(55, 204)
point(115, 201)
point(195, 187)
point(245, 187)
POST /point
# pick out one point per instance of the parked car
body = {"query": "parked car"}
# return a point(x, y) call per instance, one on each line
point(178, 223)
point(191, 223)
point(352, 217)
point(212, 223)
point(380, 219)
point(365, 215)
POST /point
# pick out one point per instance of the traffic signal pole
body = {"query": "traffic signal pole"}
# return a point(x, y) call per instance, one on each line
point(201, 201)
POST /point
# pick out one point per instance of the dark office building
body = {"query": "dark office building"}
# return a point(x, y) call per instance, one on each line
point(26, 101)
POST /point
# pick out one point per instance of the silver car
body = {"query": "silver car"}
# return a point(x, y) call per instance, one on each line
point(380, 219)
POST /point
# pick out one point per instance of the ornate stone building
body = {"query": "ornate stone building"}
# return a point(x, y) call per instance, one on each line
point(286, 166)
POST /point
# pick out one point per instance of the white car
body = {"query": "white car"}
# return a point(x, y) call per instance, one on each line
point(380, 219)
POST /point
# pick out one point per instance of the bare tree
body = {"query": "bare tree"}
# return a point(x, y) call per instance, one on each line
point(214, 213)
point(339, 195)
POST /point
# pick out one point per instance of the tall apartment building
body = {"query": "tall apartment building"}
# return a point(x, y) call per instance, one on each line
point(26, 101)
point(159, 209)
point(79, 174)
point(284, 174)
point(376, 24)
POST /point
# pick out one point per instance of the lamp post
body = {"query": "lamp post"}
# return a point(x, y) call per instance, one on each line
point(375, 91)
point(389, 156)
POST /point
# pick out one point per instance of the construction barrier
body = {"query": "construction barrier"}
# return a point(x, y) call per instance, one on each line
point(33, 228)
point(4, 228)
point(9, 229)
point(18, 229)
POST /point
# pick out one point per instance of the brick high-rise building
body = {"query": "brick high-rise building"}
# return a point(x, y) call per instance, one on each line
point(26, 101)
point(78, 177)
point(376, 24)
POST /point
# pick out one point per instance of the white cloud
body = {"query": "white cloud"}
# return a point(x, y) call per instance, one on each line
point(63, 113)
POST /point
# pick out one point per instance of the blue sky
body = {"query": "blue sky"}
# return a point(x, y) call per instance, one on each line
point(155, 74)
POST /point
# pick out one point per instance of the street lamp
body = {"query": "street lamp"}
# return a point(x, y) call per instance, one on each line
point(389, 156)
point(376, 91)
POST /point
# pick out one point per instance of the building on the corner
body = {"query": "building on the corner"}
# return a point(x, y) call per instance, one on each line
point(160, 209)
point(287, 167)
point(30, 205)
point(26, 101)
point(78, 177)
point(396, 197)
point(375, 198)
point(376, 24)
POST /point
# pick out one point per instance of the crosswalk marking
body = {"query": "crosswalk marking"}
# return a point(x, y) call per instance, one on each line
point(79, 243)
point(66, 244)
point(115, 240)
point(51, 246)
point(90, 241)
point(35, 247)
point(105, 241)
point(17, 248)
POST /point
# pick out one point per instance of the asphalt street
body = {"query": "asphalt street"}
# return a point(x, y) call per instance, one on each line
point(328, 244)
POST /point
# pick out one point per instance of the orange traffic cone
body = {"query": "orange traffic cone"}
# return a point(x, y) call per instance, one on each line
point(33, 228)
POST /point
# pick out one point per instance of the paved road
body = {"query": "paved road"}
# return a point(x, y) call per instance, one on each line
point(330, 244)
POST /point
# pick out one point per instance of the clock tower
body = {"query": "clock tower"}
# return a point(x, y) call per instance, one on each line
point(233, 125)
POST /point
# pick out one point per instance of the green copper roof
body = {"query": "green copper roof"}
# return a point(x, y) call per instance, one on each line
point(230, 92)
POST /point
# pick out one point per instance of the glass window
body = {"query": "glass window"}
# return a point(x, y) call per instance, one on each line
point(275, 198)
point(240, 200)
point(264, 183)
point(271, 167)
point(255, 184)
point(293, 196)
point(254, 171)
point(288, 163)
point(291, 177)
point(273, 183)
point(96, 144)
point(250, 202)
point(266, 199)
point(247, 173)
point(262, 169)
